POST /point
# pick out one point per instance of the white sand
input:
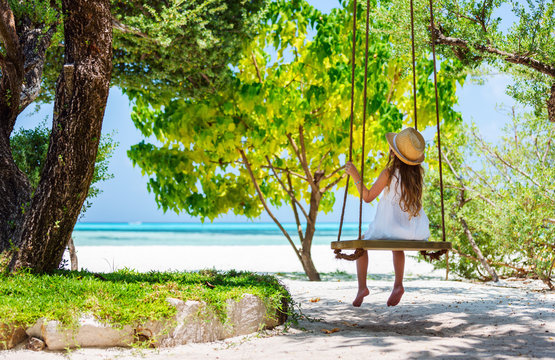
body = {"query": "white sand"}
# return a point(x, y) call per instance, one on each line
point(271, 259)
point(436, 319)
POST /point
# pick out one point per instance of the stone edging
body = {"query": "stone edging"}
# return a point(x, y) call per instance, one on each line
point(245, 316)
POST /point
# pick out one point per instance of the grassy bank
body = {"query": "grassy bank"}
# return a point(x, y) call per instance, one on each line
point(126, 296)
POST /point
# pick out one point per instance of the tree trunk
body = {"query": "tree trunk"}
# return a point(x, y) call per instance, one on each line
point(551, 104)
point(81, 95)
point(478, 252)
point(15, 192)
point(25, 44)
point(14, 186)
point(72, 254)
point(308, 265)
point(306, 257)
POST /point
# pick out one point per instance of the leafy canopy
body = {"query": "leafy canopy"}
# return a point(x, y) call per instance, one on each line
point(287, 109)
point(492, 43)
point(162, 49)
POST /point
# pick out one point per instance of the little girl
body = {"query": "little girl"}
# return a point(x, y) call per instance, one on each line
point(399, 214)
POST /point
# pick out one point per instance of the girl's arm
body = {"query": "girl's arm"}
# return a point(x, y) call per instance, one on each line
point(368, 194)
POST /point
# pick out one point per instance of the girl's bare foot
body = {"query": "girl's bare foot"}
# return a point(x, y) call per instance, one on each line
point(396, 295)
point(360, 297)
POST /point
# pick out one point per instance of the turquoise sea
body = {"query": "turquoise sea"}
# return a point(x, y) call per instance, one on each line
point(196, 234)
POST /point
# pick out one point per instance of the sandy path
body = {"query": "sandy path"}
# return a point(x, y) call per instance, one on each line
point(436, 319)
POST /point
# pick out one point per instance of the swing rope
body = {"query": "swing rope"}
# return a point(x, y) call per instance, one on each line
point(364, 118)
point(413, 63)
point(436, 254)
point(359, 251)
point(338, 253)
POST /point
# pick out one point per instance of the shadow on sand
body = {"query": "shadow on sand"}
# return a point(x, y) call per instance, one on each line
point(489, 321)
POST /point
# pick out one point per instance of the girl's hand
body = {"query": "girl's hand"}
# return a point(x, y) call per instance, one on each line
point(351, 170)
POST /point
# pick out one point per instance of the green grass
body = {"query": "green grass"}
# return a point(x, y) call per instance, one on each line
point(125, 297)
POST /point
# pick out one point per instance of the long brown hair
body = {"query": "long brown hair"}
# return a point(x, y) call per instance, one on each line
point(411, 178)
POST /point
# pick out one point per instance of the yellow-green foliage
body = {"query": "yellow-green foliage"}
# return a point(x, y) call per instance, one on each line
point(303, 97)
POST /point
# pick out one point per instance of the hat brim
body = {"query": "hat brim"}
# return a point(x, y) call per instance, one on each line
point(389, 137)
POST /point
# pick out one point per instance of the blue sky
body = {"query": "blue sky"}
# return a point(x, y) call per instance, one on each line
point(126, 199)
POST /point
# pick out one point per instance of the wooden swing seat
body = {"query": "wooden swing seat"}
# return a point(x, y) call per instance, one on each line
point(408, 245)
point(432, 249)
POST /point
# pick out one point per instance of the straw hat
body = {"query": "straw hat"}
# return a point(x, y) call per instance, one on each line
point(408, 145)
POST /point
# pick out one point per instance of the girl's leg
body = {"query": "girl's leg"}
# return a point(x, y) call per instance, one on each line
point(362, 270)
point(398, 290)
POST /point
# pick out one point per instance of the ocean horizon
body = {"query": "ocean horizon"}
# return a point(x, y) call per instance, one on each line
point(199, 234)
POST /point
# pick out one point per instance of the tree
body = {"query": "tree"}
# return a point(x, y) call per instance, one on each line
point(39, 225)
point(166, 49)
point(29, 149)
point(62, 52)
point(470, 31)
point(276, 134)
point(500, 200)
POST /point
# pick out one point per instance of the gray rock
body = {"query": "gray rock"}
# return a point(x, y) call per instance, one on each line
point(245, 316)
point(89, 333)
point(193, 322)
point(36, 329)
point(11, 336)
point(249, 315)
point(35, 344)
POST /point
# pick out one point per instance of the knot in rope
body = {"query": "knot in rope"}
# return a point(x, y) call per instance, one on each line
point(351, 257)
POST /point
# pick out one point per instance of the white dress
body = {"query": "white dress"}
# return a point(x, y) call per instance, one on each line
point(392, 223)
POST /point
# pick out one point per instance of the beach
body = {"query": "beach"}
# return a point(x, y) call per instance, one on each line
point(258, 247)
point(264, 259)
point(436, 318)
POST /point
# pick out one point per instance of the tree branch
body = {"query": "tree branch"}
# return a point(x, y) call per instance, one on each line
point(485, 148)
point(486, 200)
point(500, 169)
point(8, 32)
point(460, 179)
point(536, 149)
point(12, 70)
point(330, 186)
point(455, 173)
point(526, 175)
point(126, 29)
point(480, 177)
point(477, 250)
point(509, 57)
point(547, 146)
point(256, 66)
point(550, 102)
point(288, 191)
point(482, 19)
point(35, 43)
point(295, 212)
point(266, 207)
point(332, 174)
point(447, 186)
point(322, 159)
point(520, 270)
point(303, 162)
point(287, 171)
